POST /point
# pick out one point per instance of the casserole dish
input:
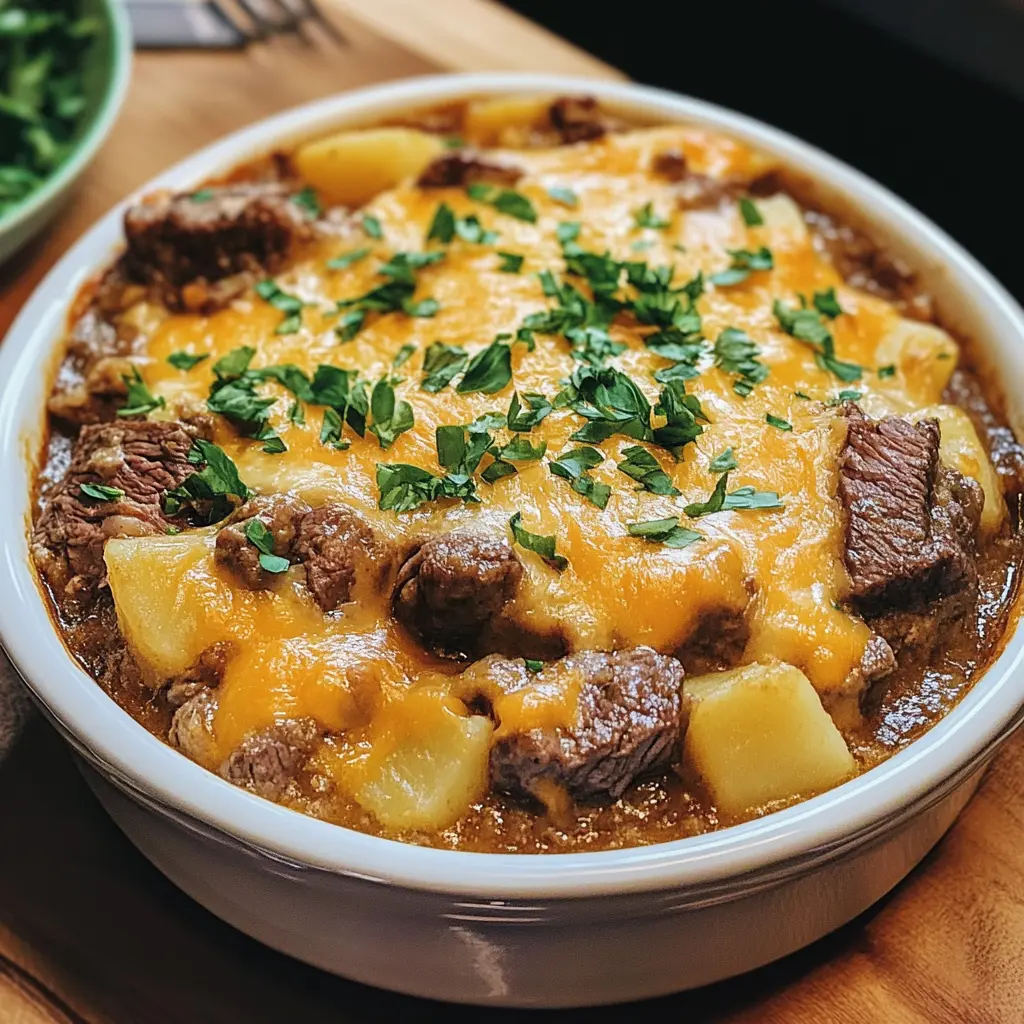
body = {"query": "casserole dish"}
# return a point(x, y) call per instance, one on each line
point(567, 930)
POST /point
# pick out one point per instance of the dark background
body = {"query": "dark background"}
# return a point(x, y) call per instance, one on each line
point(942, 140)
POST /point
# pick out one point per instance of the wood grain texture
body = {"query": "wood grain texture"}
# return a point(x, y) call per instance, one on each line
point(90, 933)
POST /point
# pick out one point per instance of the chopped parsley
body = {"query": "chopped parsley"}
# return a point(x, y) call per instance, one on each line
point(257, 534)
point(403, 355)
point(750, 213)
point(371, 225)
point(641, 466)
point(849, 396)
point(777, 421)
point(645, 217)
point(185, 360)
point(827, 304)
point(389, 417)
point(806, 325)
point(489, 370)
point(346, 259)
point(887, 371)
point(395, 296)
point(510, 262)
point(441, 363)
point(212, 492)
point(331, 429)
point(307, 200)
point(574, 465)
point(403, 487)
point(504, 200)
point(744, 263)
point(741, 498)
point(535, 542)
point(140, 400)
point(664, 531)
point(100, 492)
point(446, 225)
point(565, 196)
point(204, 195)
point(290, 305)
point(735, 352)
point(526, 417)
point(723, 462)
point(533, 665)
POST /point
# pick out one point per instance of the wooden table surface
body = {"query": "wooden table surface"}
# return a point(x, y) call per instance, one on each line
point(90, 933)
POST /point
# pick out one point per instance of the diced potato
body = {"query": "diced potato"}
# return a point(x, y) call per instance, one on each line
point(146, 575)
point(780, 214)
point(961, 449)
point(924, 355)
point(490, 122)
point(427, 763)
point(759, 734)
point(352, 167)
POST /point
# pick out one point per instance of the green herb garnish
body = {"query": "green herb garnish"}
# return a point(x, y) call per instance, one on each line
point(565, 196)
point(257, 534)
point(574, 465)
point(806, 325)
point(346, 259)
point(290, 305)
point(744, 263)
point(489, 370)
point(441, 363)
point(736, 352)
point(185, 360)
point(645, 217)
point(390, 417)
point(140, 400)
point(393, 297)
point(209, 492)
point(741, 498)
point(535, 542)
point(664, 531)
point(750, 213)
point(777, 421)
point(307, 200)
point(101, 492)
point(504, 200)
point(640, 465)
point(723, 462)
point(510, 262)
point(526, 417)
point(371, 225)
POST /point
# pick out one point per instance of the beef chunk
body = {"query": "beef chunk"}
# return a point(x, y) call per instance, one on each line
point(267, 762)
point(694, 191)
point(630, 722)
point(280, 514)
point(463, 167)
point(205, 673)
point(191, 729)
point(717, 643)
point(337, 547)
point(143, 459)
point(862, 264)
point(911, 523)
point(578, 119)
point(200, 252)
point(454, 585)
point(1004, 449)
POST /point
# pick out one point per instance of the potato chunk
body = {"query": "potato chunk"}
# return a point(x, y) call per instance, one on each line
point(350, 168)
point(924, 356)
point(782, 217)
point(961, 449)
point(505, 120)
point(759, 734)
point(160, 624)
point(427, 762)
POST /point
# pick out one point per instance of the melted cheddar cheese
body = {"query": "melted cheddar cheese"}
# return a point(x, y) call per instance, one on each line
point(356, 673)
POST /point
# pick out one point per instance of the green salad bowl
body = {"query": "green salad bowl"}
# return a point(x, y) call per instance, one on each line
point(106, 70)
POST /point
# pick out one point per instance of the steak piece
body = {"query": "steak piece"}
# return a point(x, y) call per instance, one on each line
point(337, 546)
point(1004, 449)
point(266, 762)
point(464, 167)
point(453, 586)
point(141, 458)
point(191, 729)
point(862, 264)
point(717, 644)
point(630, 722)
point(281, 514)
point(694, 191)
point(205, 673)
point(578, 119)
point(911, 522)
point(200, 249)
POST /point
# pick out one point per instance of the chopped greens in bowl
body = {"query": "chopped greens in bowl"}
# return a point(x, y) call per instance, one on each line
point(63, 68)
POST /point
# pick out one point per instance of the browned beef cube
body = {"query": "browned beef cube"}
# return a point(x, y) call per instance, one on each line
point(280, 514)
point(183, 244)
point(453, 586)
point(631, 719)
point(911, 523)
point(463, 167)
point(142, 459)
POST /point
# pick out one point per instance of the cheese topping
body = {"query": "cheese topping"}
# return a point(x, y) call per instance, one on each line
point(353, 672)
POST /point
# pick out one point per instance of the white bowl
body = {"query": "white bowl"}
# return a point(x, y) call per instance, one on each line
point(570, 929)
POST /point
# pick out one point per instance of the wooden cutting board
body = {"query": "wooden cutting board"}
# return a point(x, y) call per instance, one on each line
point(90, 933)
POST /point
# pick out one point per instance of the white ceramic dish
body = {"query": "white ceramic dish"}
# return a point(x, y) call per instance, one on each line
point(517, 930)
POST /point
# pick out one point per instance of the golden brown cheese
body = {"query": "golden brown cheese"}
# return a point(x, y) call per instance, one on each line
point(354, 672)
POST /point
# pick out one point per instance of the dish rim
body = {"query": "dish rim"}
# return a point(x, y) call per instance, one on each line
point(800, 835)
point(97, 129)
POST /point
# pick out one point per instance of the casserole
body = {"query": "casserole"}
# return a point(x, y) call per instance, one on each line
point(499, 927)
